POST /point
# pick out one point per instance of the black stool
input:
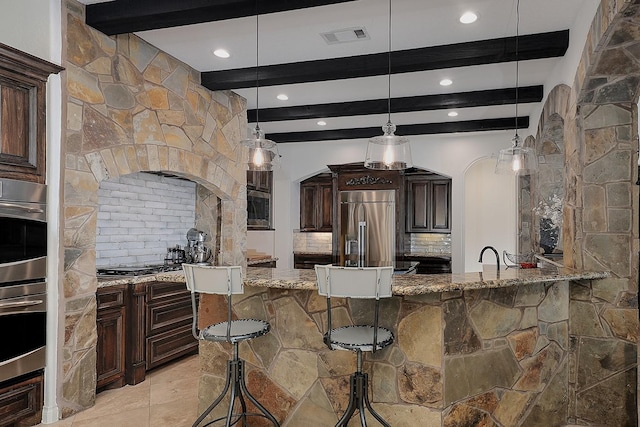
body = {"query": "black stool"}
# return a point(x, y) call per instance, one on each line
point(226, 281)
point(348, 282)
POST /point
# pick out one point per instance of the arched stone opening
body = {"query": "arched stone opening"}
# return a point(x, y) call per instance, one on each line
point(132, 108)
point(601, 216)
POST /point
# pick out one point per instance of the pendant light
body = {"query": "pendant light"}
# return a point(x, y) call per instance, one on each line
point(389, 151)
point(263, 153)
point(517, 159)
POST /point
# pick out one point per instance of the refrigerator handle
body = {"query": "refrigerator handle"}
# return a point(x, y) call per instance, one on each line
point(362, 242)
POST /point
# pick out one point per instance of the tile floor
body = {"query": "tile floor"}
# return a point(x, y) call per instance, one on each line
point(167, 398)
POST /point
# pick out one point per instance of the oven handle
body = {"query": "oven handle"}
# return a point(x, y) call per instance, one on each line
point(20, 207)
point(17, 304)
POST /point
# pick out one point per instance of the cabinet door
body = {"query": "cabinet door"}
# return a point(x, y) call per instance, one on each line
point(440, 206)
point(325, 207)
point(110, 361)
point(428, 205)
point(418, 206)
point(308, 208)
point(110, 348)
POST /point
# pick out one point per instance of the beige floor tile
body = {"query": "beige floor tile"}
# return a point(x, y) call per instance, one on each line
point(167, 398)
point(182, 412)
point(133, 418)
point(123, 399)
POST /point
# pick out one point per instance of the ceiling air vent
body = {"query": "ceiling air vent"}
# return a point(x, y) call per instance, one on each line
point(346, 35)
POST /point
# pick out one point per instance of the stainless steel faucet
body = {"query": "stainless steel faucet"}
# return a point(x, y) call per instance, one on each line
point(494, 251)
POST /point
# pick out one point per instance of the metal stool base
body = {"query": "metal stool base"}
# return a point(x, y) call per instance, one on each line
point(236, 384)
point(359, 399)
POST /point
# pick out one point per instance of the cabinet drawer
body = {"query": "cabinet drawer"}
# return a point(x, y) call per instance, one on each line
point(168, 314)
point(110, 297)
point(169, 290)
point(169, 345)
point(20, 401)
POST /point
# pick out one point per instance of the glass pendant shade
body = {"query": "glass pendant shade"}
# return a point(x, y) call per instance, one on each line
point(263, 153)
point(389, 151)
point(516, 159)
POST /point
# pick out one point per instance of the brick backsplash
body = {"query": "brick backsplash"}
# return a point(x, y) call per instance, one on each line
point(140, 215)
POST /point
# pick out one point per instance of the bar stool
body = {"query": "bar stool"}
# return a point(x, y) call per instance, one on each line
point(350, 282)
point(226, 281)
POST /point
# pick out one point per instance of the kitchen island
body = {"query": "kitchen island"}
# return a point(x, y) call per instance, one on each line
point(508, 348)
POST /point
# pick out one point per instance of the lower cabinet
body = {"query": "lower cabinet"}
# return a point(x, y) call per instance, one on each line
point(308, 260)
point(430, 264)
point(21, 400)
point(168, 323)
point(141, 327)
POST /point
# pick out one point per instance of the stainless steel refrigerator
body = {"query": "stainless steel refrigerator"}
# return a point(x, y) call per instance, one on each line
point(367, 228)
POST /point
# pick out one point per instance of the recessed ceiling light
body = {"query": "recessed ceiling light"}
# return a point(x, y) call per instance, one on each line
point(445, 82)
point(282, 97)
point(221, 53)
point(452, 113)
point(468, 18)
point(321, 123)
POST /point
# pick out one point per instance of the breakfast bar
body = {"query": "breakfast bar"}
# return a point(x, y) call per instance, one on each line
point(468, 346)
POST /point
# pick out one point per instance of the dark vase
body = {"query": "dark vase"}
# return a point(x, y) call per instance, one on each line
point(548, 235)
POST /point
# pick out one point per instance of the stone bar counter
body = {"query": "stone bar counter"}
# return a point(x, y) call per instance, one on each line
point(491, 348)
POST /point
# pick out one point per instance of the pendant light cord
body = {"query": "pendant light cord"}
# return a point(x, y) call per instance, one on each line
point(517, 62)
point(389, 75)
point(257, 66)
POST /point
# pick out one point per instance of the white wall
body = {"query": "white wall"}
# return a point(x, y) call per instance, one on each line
point(35, 27)
point(490, 209)
point(262, 241)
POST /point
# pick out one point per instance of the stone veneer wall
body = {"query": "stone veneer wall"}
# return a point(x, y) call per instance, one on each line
point(600, 216)
point(132, 108)
point(489, 357)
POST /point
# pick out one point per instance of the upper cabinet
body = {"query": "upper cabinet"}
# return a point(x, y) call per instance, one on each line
point(23, 80)
point(316, 203)
point(428, 204)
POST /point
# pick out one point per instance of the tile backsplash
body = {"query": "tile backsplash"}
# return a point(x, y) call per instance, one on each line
point(416, 243)
point(435, 243)
point(312, 242)
point(140, 215)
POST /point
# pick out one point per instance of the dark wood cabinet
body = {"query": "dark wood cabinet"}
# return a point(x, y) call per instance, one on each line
point(110, 348)
point(21, 401)
point(168, 323)
point(308, 260)
point(316, 203)
point(428, 204)
point(23, 80)
point(141, 327)
point(430, 264)
point(259, 180)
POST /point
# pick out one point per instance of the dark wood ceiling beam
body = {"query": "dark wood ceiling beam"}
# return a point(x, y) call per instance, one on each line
point(480, 98)
point(484, 125)
point(128, 16)
point(532, 46)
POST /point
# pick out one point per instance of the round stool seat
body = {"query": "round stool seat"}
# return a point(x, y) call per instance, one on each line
point(359, 337)
point(243, 329)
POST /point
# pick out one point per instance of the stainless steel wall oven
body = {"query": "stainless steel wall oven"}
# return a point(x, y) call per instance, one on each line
point(23, 260)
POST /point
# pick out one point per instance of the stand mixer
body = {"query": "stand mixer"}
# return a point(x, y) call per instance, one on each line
point(196, 251)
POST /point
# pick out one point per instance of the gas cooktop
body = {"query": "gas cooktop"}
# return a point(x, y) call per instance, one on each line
point(137, 270)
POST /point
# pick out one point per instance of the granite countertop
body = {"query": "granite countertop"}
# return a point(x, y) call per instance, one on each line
point(428, 255)
point(260, 260)
point(311, 253)
point(408, 284)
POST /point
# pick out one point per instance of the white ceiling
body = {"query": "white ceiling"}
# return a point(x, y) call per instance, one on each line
point(295, 36)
